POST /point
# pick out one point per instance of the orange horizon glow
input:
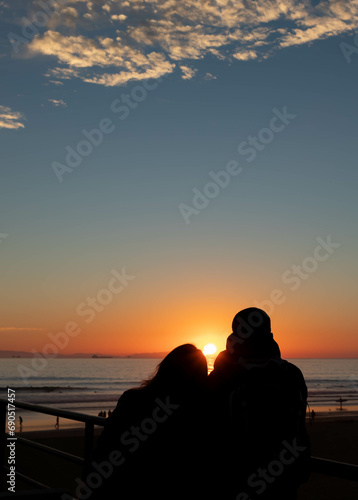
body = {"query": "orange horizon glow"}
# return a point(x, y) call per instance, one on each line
point(302, 327)
point(89, 343)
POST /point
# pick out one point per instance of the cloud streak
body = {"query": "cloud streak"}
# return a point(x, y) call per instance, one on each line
point(11, 119)
point(19, 328)
point(153, 38)
point(58, 103)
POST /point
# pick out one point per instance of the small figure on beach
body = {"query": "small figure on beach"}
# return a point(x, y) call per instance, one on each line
point(341, 401)
point(57, 424)
point(313, 414)
point(21, 422)
point(109, 413)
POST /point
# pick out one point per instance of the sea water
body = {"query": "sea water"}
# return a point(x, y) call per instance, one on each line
point(93, 385)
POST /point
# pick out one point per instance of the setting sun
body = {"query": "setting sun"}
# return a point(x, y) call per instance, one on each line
point(209, 349)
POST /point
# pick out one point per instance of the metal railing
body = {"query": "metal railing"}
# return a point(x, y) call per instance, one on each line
point(334, 468)
point(319, 465)
point(89, 421)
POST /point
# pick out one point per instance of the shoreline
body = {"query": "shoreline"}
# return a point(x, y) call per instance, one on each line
point(47, 423)
point(332, 437)
point(64, 433)
point(76, 427)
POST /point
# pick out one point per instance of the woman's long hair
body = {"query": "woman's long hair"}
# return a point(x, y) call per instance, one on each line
point(184, 369)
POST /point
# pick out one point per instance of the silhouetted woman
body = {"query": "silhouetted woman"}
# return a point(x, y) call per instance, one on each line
point(151, 444)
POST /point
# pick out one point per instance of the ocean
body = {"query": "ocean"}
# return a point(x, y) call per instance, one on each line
point(92, 385)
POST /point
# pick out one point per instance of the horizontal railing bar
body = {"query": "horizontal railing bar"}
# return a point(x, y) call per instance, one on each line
point(334, 468)
point(48, 449)
point(28, 479)
point(39, 494)
point(320, 465)
point(71, 415)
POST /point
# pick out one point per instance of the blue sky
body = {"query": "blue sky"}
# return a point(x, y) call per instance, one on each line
point(223, 69)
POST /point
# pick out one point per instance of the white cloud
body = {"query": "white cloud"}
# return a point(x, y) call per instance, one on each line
point(56, 82)
point(62, 73)
point(245, 55)
point(11, 119)
point(69, 11)
point(188, 73)
point(328, 27)
point(118, 17)
point(80, 52)
point(158, 35)
point(156, 67)
point(58, 103)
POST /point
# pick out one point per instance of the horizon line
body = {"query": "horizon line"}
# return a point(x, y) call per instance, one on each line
point(149, 354)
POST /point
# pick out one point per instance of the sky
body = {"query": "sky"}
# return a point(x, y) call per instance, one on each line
point(165, 164)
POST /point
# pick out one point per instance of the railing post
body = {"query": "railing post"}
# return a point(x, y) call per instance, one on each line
point(89, 441)
point(3, 410)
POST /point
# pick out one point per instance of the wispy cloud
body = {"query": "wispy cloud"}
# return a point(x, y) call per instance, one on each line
point(209, 76)
point(188, 73)
point(150, 39)
point(56, 82)
point(58, 103)
point(11, 119)
point(80, 52)
point(20, 328)
point(245, 55)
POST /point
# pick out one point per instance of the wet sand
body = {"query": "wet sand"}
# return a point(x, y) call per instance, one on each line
point(332, 437)
point(335, 438)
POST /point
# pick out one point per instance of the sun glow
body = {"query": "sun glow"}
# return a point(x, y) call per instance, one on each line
point(209, 349)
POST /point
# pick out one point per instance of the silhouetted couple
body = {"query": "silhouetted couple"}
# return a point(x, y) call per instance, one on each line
point(238, 433)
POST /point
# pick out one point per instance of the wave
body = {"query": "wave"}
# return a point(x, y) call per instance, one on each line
point(60, 402)
point(45, 388)
point(87, 380)
point(77, 385)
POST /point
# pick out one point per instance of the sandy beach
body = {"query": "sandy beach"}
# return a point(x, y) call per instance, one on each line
point(336, 438)
point(333, 436)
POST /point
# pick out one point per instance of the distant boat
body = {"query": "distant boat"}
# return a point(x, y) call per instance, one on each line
point(96, 356)
point(341, 401)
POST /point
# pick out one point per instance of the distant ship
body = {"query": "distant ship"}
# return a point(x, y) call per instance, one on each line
point(96, 356)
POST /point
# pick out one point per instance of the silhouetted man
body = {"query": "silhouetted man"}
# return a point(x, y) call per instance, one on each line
point(258, 413)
